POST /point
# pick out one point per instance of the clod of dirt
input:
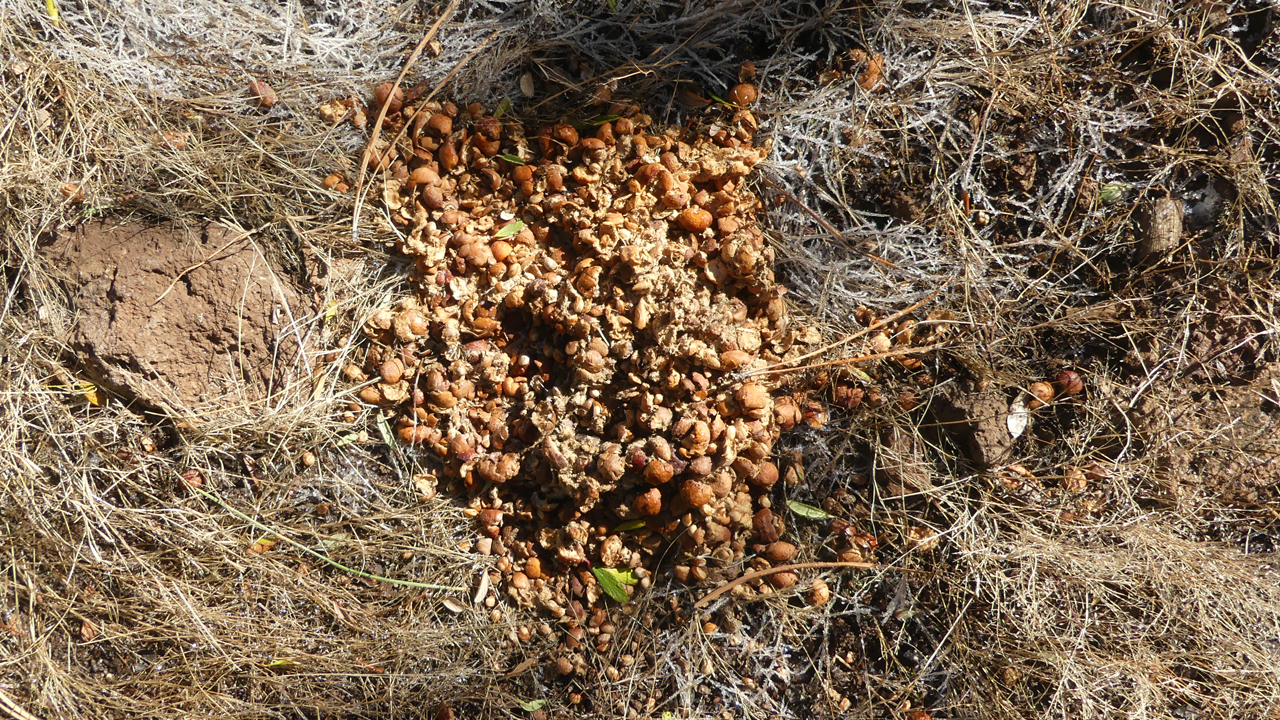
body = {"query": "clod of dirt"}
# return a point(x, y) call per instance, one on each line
point(1159, 226)
point(977, 422)
point(176, 319)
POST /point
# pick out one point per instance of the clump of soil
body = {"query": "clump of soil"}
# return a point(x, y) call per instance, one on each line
point(178, 320)
point(584, 349)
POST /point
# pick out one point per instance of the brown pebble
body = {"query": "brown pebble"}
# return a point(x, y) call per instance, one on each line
point(533, 568)
point(519, 580)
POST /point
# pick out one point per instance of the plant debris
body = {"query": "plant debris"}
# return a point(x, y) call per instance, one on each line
point(587, 301)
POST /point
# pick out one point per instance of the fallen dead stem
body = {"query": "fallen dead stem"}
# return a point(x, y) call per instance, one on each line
point(1011, 148)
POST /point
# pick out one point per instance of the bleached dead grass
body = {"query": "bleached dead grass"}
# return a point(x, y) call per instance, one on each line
point(124, 595)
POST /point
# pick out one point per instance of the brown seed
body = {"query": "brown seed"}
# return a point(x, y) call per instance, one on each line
point(694, 219)
point(490, 517)
point(440, 124)
point(390, 95)
point(371, 395)
point(1042, 391)
point(819, 594)
point(1069, 382)
point(564, 666)
point(391, 371)
point(330, 181)
point(533, 568)
point(764, 525)
point(780, 552)
point(263, 93)
point(1074, 481)
point(424, 176)
point(767, 475)
point(432, 198)
point(695, 493)
point(752, 397)
point(784, 579)
point(658, 471)
point(648, 503)
point(744, 94)
point(565, 134)
point(786, 413)
point(734, 359)
point(519, 580)
point(447, 156)
point(501, 250)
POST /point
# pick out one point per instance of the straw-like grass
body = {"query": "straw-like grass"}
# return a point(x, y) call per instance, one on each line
point(1006, 155)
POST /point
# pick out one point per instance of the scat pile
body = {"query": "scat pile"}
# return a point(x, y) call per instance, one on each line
point(588, 304)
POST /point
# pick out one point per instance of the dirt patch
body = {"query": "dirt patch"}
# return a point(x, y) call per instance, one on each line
point(1221, 438)
point(177, 319)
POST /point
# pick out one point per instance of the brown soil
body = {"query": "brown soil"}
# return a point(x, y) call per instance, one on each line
point(175, 318)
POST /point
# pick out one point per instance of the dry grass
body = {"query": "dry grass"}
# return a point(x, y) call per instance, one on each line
point(1150, 595)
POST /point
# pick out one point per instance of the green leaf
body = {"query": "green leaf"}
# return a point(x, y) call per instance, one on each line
point(602, 119)
point(513, 159)
point(504, 107)
point(384, 429)
point(510, 229)
point(282, 665)
point(722, 101)
point(808, 511)
point(326, 544)
point(612, 581)
point(630, 525)
point(613, 5)
point(533, 705)
point(859, 374)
